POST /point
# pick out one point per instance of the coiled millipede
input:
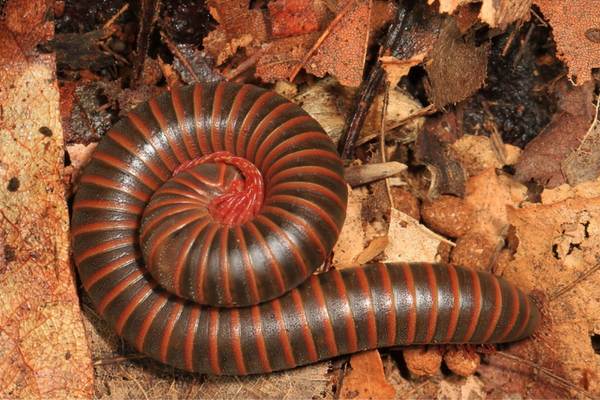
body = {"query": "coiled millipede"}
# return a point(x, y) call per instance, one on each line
point(195, 262)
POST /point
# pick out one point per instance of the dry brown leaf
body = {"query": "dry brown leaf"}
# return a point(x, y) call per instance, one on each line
point(292, 17)
point(352, 238)
point(409, 241)
point(583, 164)
point(375, 248)
point(557, 244)
point(447, 174)
point(542, 157)
point(496, 13)
point(366, 379)
point(457, 67)
point(423, 361)
point(342, 53)
point(44, 349)
point(470, 388)
point(476, 154)
point(586, 190)
point(576, 30)
point(322, 102)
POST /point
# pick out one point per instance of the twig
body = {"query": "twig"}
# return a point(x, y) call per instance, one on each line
point(138, 384)
point(112, 20)
point(574, 283)
point(363, 174)
point(430, 109)
point(246, 64)
point(523, 45)
point(184, 61)
point(371, 85)
point(118, 359)
point(567, 384)
point(322, 38)
point(386, 99)
point(149, 15)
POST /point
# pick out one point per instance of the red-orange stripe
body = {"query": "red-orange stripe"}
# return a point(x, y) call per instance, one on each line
point(306, 331)
point(138, 299)
point(160, 302)
point(455, 312)
point(236, 341)
point(340, 286)
point(412, 312)
point(330, 341)
point(260, 340)
point(514, 313)
point(284, 340)
point(190, 335)
point(248, 267)
point(168, 331)
point(213, 341)
point(476, 286)
point(119, 288)
point(433, 313)
point(363, 283)
point(390, 311)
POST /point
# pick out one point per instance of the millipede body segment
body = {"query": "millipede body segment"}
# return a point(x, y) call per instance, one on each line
point(199, 223)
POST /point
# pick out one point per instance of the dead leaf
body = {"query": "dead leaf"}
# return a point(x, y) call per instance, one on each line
point(575, 27)
point(542, 157)
point(583, 164)
point(352, 238)
point(375, 247)
point(342, 53)
point(366, 378)
point(44, 349)
point(409, 241)
point(292, 17)
point(496, 13)
point(456, 66)
point(447, 175)
point(557, 243)
point(477, 153)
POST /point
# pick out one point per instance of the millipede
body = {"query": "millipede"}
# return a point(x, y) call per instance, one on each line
point(201, 219)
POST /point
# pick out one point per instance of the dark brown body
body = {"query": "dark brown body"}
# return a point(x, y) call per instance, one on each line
point(127, 189)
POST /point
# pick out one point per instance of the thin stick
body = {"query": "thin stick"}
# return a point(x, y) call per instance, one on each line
point(384, 107)
point(574, 283)
point(246, 64)
point(322, 38)
point(119, 359)
point(184, 61)
point(430, 109)
point(112, 20)
point(568, 384)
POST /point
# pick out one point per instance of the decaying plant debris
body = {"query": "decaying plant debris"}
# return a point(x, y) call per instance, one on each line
point(471, 133)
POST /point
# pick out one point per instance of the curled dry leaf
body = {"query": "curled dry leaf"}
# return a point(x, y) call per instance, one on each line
point(447, 175)
point(576, 29)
